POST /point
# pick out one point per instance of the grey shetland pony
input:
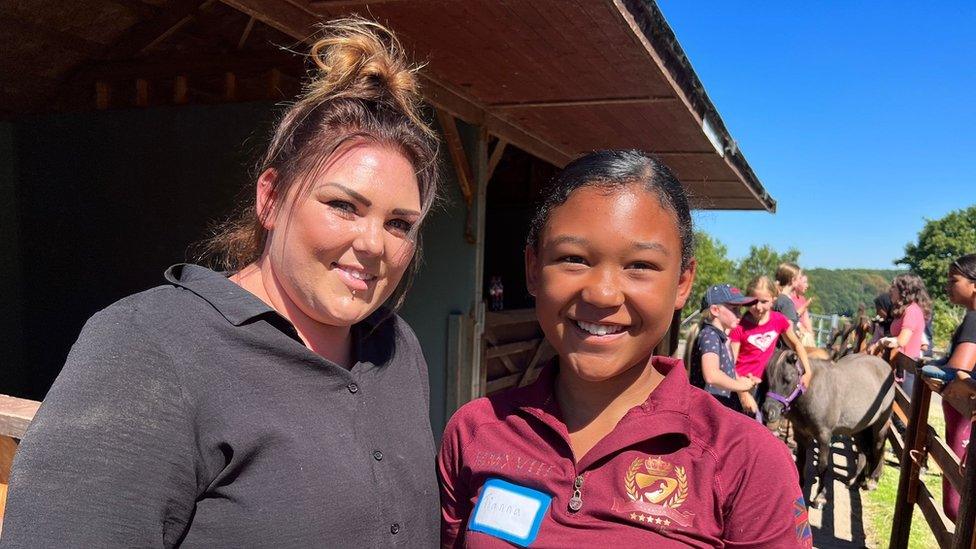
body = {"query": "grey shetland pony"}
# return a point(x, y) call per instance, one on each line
point(852, 396)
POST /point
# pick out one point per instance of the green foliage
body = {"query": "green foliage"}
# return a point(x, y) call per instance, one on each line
point(939, 242)
point(762, 260)
point(842, 291)
point(714, 266)
point(945, 318)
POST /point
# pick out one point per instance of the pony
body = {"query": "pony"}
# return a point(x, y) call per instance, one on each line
point(852, 396)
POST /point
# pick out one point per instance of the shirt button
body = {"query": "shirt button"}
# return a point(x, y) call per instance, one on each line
point(377, 455)
point(353, 388)
point(395, 528)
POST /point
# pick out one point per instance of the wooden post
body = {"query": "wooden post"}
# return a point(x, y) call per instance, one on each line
point(230, 86)
point(103, 95)
point(181, 90)
point(911, 457)
point(142, 92)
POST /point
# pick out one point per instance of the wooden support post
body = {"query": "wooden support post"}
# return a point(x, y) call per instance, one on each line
point(142, 92)
point(181, 90)
point(460, 159)
point(230, 86)
point(496, 156)
point(274, 83)
point(911, 458)
point(103, 95)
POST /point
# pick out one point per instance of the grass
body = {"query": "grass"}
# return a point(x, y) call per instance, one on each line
point(879, 505)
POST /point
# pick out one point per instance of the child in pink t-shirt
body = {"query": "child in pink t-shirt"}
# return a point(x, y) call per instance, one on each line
point(911, 305)
point(754, 339)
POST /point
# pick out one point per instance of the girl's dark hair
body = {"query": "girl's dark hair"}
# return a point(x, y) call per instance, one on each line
point(965, 266)
point(363, 88)
point(612, 170)
point(911, 289)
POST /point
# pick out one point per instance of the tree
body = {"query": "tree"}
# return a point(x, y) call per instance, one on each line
point(939, 242)
point(762, 260)
point(714, 267)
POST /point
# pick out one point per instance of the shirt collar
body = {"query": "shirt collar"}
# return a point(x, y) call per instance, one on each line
point(721, 333)
point(668, 403)
point(234, 303)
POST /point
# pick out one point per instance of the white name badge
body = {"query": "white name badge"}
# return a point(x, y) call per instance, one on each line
point(509, 511)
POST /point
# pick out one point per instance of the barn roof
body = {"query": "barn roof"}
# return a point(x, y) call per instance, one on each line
point(552, 77)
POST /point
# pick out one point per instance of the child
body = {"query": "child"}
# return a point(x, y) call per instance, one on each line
point(961, 290)
point(786, 276)
point(612, 446)
point(712, 366)
point(754, 339)
point(912, 306)
point(802, 304)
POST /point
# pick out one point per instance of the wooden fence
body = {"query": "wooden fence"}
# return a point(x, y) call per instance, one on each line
point(919, 444)
point(15, 415)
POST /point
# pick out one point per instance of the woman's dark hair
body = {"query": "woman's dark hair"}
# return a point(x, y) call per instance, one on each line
point(363, 88)
point(613, 170)
point(911, 289)
point(965, 266)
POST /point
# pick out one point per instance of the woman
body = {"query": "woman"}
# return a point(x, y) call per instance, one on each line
point(911, 306)
point(279, 405)
point(958, 364)
point(611, 446)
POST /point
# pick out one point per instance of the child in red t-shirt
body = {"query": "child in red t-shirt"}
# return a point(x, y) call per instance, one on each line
point(754, 339)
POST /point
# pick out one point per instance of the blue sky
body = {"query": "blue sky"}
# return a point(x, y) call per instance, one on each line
point(859, 118)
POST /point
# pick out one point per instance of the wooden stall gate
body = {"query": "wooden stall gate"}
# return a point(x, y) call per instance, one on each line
point(15, 415)
point(515, 349)
point(918, 443)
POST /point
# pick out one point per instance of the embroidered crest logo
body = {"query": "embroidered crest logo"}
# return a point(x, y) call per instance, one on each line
point(655, 491)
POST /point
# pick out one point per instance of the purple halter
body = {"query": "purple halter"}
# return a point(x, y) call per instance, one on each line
point(800, 389)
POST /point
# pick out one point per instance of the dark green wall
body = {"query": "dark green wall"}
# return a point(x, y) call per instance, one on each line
point(96, 205)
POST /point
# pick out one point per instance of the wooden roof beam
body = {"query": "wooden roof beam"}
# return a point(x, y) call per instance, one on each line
point(152, 31)
point(583, 102)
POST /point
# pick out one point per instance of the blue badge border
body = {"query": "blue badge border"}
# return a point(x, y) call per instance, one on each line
point(546, 500)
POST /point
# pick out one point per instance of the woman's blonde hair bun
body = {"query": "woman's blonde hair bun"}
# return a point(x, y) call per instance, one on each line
point(362, 59)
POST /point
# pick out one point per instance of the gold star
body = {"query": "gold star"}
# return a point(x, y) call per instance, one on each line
point(641, 517)
point(633, 516)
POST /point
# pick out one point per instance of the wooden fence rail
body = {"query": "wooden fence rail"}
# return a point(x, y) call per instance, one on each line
point(15, 415)
point(920, 444)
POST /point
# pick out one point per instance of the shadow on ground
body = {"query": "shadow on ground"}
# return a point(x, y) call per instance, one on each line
point(840, 523)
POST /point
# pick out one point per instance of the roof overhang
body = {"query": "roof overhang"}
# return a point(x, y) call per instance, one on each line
point(557, 78)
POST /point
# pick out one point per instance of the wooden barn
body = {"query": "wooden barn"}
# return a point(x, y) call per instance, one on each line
point(127, 127)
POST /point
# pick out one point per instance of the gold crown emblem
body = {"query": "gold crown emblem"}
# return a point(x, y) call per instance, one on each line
point(657, 466)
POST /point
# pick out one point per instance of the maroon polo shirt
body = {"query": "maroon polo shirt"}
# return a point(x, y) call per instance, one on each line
point(678, 470)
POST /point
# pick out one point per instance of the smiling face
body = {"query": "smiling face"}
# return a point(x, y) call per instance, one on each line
point(607, 279)
point(761, 308)
point(338, 251)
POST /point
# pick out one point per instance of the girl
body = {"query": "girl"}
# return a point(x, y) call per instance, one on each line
point(786, 276)
point(278, 403)
point(712, 366)
point(802, 304)
point(960, 361)
point(911, 306)
point(754, 339)
point(611, 446)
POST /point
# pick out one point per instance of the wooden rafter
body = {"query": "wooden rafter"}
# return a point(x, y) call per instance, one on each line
point(299, 22)
point(495, 158)
point(452, 138)
point(583, 102)
point(151, 31)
